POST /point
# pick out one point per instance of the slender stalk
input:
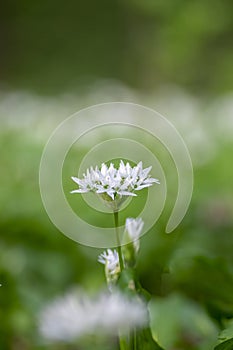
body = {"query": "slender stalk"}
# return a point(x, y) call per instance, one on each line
point(123, 343)
point(116, 222)
point(122, 339)
point(135, 339)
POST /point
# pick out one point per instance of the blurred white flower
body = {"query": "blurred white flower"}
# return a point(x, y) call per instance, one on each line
point(112, 184)
point(110, 259)
point(76, 315)
point(134, 228)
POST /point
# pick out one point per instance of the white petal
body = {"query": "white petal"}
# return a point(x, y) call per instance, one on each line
point(80, 191)
point(142, 186)
point(104, 169)
point(126, 193)
point(146, 171)
point(111, 194)
point(77, 180)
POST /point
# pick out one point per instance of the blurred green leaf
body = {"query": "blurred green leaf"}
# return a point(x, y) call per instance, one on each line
point(175, 320)
point(145, 340)
point(227, 333)
point(129, 283)
point(226, 345)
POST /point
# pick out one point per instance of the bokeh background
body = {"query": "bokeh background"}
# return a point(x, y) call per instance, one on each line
point(176, 57)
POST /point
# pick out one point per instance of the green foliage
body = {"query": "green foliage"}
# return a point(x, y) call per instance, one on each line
point(142, 43)
point(54, 47)
point(227, 333)
point(226, 345)
point(129, 283)
point(179, 322)
point(38, 263)
point(145, 340)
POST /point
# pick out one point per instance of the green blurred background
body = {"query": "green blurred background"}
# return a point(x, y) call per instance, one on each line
point(57, 57)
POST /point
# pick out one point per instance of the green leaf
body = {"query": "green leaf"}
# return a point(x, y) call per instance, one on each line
point(145, 340)
point(174, 316)
point(127, 279)
point(227, 333)
point(128, 282)
point(130, 285)
point(226, 345)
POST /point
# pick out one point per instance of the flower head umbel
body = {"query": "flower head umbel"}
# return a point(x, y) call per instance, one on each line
point(110, 259)
point(115, 185)
point(133, 229)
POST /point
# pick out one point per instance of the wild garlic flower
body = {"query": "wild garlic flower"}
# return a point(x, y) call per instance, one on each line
point(110, 259)
point(133, 229)
point(113, 184)
point(76, 315)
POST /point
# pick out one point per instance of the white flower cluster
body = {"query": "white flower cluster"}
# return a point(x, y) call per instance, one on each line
point(76, 315)
point(111, 181)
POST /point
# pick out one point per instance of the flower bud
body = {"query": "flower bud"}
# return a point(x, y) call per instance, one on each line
point(133, 229)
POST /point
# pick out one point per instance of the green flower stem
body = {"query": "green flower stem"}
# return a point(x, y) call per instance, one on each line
point(135, 339)
point(123, 343)
point(116, 221)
